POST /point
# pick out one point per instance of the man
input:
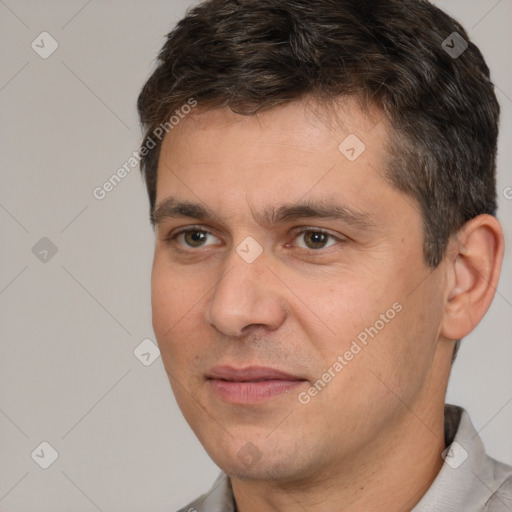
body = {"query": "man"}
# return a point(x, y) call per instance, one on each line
point(321, 182)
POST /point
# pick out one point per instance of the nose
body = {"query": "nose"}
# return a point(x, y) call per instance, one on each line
point(247, 295)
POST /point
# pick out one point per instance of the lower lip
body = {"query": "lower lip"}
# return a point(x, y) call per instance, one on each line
point(252, 392)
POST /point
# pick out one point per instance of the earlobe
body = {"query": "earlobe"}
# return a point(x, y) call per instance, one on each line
point(474, 269)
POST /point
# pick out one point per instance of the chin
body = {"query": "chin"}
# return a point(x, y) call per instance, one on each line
point(260, 472)
point(252, 463)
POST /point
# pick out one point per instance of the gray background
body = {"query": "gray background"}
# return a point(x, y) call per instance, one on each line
point(70, 324)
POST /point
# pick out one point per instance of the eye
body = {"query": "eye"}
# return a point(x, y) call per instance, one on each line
point(315, 239)
point(192, 237)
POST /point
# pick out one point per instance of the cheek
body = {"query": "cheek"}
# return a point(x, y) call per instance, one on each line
point(364, 318)
point(402, 354)
point(347, 308)
point(163, 303)
point(175, 305)
point(173, 292)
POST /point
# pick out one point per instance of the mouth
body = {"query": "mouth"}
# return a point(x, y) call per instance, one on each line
point(251, 385)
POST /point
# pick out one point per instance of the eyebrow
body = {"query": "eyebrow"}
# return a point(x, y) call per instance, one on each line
point(170, 208)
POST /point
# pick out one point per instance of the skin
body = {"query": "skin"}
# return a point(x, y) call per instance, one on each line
point(372, 438)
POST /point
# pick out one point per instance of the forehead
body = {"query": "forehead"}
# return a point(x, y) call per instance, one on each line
point(297, 151)
point(301, 124)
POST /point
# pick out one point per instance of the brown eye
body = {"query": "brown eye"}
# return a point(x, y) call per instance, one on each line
point(192, 238)
point(315, 240)
point(195, 238)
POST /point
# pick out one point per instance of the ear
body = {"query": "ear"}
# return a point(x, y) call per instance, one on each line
point(474, 258)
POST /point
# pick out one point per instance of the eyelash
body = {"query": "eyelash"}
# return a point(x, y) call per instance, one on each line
point(172, 238)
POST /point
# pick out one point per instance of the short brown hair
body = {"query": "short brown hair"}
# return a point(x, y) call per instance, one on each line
point(252, 55)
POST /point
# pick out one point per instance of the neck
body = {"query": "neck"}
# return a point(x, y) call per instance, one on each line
point(393, 473)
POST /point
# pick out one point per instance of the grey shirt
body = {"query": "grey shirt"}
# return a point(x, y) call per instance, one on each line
point(469, 481)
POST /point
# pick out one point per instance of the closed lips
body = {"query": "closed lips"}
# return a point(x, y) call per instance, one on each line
point(250, 374)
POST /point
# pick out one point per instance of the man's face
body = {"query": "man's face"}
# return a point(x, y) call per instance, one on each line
point(243, 295)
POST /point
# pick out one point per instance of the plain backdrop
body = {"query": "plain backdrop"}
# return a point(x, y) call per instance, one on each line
point(75, 270)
